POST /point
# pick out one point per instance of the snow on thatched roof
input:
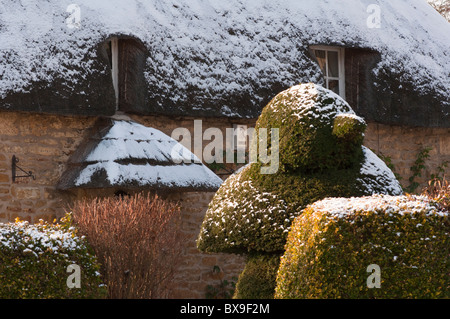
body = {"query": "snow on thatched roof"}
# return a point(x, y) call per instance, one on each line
point(127, 154)
point(213, 57)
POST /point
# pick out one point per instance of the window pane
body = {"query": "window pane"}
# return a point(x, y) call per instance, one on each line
point(333, 64)
point(333, 85)
point(321, 58)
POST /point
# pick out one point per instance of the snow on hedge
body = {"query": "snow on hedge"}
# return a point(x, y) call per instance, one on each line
point(332, 243)
point(39, 238)
point(372, 167)
point(240, 214)
point(307, 101)
point(385, 204)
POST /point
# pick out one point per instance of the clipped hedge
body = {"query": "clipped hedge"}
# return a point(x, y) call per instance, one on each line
point(241, 219)
point(305, 116)
point(258, 279)
point(34, 260)
point(320, 155)
point(331, 244)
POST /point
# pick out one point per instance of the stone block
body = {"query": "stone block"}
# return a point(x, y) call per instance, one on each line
point(4, 178)
point(209, 261)
point(444, 145)
point(26, 193)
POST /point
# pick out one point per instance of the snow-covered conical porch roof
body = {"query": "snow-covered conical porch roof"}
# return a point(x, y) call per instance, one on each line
point(125, 154)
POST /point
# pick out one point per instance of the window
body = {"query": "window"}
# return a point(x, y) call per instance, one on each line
point(331, 62)
point(114, 63)
point(127, 59)
point(240, 137)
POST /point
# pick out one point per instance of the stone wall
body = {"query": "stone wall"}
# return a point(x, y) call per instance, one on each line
point(402, 144)
point(196, 271)
point(44, 143)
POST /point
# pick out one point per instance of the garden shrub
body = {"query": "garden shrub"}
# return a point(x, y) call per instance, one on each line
point(137, 240)
point(34, 259)
point(258, 279)
point(320, 155)
point(439, 191)
point(253, 211)
point(331, 244)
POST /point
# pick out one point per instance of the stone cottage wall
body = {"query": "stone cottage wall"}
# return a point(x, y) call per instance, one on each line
point(402, 144)
point(44, 143)
point(196, 270)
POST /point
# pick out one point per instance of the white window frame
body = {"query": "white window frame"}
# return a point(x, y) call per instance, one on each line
point(115, 68)
point(239, 137)
point(341, 65)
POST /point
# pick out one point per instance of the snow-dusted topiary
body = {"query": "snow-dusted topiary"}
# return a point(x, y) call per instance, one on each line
point(335, 240)
point(320, 155)
point(241, 216)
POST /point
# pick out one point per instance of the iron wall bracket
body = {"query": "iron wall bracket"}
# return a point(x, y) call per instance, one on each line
point(14, 167)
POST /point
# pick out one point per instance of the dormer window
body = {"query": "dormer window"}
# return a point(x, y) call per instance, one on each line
point(331, 62)
point(127, 59)
point(113, 54)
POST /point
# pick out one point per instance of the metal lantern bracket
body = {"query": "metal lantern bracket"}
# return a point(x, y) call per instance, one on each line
point(14, 167)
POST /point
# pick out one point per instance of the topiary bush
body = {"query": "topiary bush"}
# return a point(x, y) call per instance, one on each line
point(332, 243)
point(34, 261)
point(258, 279)
point(320, 155)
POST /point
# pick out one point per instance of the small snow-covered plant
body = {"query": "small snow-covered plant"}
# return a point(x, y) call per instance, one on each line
point(34, 261)
point(439, 191)
point(333, 242)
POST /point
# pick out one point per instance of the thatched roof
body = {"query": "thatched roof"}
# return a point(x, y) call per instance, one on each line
point(220, 58)
point(129, 155)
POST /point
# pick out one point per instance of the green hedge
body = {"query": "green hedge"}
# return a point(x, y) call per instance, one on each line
point(241, 219)
point(331, 244)
point(320, 155)
point(252, 213)
point(34, 260)
point(305, 116)
point(258, 279)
